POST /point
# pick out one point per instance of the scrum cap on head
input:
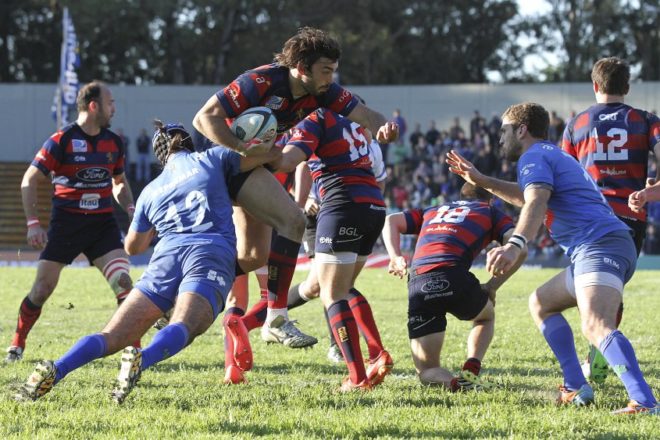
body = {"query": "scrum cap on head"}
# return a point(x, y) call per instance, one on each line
point(168, 139)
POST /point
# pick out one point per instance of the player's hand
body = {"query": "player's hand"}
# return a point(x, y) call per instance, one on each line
point(387, 133)
point(258, 146)
point(464, 168)
point(311, 206)
point(398, 267)
point(501, 259)
point(637, 200)
point(37, 237)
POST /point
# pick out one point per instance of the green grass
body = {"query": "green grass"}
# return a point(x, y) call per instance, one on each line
point(292, 394)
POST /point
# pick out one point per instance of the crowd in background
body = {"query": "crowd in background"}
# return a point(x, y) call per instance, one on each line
point(419, 177)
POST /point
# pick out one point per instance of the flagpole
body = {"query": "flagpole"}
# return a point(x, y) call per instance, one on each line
point(65, 17)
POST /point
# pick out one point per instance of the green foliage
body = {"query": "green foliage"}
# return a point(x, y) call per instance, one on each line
point(292, 394)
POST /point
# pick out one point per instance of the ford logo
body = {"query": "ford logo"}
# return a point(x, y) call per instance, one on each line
point(435, 285)
point(92, 175)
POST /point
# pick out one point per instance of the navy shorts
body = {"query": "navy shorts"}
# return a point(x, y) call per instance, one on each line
point(309, 236)
point(71, 234)
point(205, 269)
point(433, 294)
point(236, 182)
point(349, 228)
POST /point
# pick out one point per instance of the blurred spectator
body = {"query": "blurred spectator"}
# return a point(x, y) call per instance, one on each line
point(416, 134)
point(401, 122)
point(432, 134)
point(143, 168)
point(456, 130)
point(476, 124)
point(556, 128)
point(494, 131)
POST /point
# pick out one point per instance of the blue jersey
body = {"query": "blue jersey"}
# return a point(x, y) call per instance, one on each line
point(577, 211)
point(188, 203)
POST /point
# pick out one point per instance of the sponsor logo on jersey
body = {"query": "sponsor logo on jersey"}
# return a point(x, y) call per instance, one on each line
point(109, 157)
point(79, 145)
point(79, 158)
point(325, 240)
point(351, 231)
point(93, 175)
point(613, 172)
point(436, 285)
point(608, 117)
point(344, 95)
point(89, 201)
point(275, 102)
point(233, 95)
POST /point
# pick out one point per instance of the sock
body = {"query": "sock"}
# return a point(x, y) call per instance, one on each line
point(272, 313)
point(365, 320)
point(262, 279)
point(559, 336)
point(229, 342)
point(472, 365)
point(256, 316)
point(345, 331)
point(327, 321)
point(620, 355)
point(296, 298)
point(166, 343)
point(28, 313)
point(281, 266)
point(83, 352)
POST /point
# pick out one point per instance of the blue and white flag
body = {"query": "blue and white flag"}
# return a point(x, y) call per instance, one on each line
point(67, 87)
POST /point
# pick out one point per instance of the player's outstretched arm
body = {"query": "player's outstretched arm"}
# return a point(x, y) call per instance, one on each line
point(36, 236)
point(395, 225)
point(253, 161)
point(291, 157)
point(210, 121)
point(375, 122)
point(495, 282)
point(502, 259)
point(507, 191)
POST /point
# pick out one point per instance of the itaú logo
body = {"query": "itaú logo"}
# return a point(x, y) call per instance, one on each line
point(93, 175)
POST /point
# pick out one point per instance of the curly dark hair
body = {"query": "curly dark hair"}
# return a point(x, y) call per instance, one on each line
point(533, 115)
point(306, 47)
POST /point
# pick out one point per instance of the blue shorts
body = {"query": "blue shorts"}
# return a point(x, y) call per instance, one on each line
point(71, 234)
point(611, 260)
point(207, 270)
point(353, 228)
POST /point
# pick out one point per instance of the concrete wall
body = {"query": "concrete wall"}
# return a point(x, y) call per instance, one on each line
point(25, 109)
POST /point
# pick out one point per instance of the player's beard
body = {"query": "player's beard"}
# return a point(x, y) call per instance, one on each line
point(311, 88)
point(103, 120)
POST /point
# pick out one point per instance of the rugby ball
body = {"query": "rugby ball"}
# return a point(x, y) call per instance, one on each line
point(255, 122)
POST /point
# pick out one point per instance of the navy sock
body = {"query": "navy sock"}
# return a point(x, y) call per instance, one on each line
point(167, 342)
point(618, 351)
point(559, 336)
point(83, 352)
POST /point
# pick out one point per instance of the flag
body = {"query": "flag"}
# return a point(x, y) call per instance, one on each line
point(67, 86)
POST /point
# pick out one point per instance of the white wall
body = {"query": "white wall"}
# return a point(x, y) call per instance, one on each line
point(25, 109)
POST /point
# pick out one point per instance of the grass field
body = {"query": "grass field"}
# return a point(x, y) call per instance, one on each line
point(292, 394)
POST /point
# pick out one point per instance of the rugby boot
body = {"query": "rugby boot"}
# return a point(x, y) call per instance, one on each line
point(40, 382)
point(583, 396)
point(283, 331)
point(378, 368)
point(129, 374)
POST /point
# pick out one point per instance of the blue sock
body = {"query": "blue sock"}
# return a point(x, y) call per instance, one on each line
point(83, 352)
point(618, 351)
point(559, 336)
point(167, 342)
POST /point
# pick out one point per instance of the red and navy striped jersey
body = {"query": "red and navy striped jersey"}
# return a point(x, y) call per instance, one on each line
point(612, 142)
point(82, 167)
point(269, 86)
point(453, 234)
point(340, 158)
